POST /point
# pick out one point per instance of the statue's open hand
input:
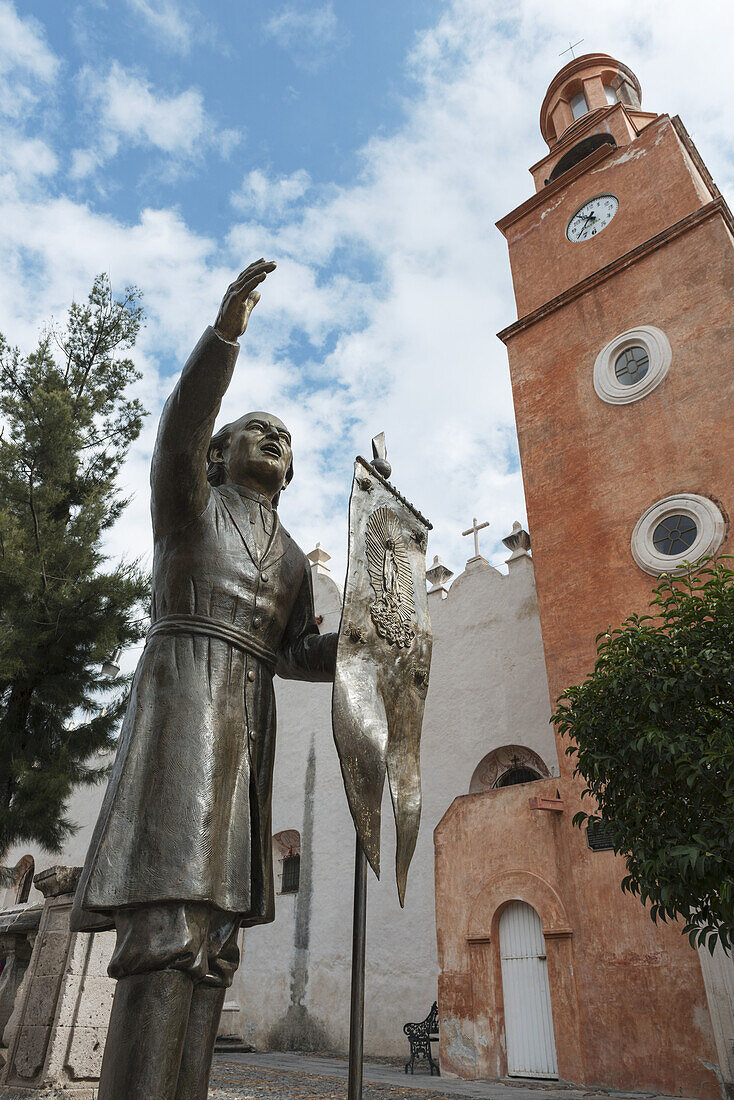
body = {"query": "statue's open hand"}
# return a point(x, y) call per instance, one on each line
point(240, 300)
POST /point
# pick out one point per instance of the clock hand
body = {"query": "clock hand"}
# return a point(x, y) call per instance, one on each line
point(587, 217)
point(590, 218)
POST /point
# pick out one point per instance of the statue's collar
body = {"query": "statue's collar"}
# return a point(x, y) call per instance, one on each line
point(251, 494)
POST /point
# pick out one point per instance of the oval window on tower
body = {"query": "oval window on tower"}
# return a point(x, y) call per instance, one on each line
point(631, 365)
point(675, 532)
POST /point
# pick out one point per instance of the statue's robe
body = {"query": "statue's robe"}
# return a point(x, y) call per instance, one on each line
point(187, 813)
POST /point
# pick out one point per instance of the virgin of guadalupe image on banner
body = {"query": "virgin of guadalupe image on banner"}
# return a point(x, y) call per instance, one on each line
point(383, 661)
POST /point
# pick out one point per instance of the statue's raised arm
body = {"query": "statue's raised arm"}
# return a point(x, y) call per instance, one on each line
point(179, 487)
point(182, 855)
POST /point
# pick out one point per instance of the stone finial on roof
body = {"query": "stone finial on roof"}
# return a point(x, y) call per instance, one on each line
point(437, 576)
point(518, 541)
point(318, 559)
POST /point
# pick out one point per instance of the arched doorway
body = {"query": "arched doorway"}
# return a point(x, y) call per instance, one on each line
point(531, 1046)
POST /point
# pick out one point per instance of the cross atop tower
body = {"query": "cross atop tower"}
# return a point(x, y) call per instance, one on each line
point(571, 48)
point(474, 530)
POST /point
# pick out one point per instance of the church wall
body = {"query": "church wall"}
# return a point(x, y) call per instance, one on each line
point(607, 463)
point(487, 689)
point(625, 993)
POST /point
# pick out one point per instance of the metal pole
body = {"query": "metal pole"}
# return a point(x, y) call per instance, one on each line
point(356, 1011)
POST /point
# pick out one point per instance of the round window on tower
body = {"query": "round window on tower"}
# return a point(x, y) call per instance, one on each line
point(675, 532)
point(631, 365)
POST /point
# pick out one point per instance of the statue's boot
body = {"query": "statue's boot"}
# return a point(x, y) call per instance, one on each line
point(146, 1036)
point(196, 1061)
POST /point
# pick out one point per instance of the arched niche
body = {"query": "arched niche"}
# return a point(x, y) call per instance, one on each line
point(578, 152)
point(505, 766)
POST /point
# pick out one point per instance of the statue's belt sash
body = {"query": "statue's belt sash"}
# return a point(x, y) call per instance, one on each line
point(213, 628)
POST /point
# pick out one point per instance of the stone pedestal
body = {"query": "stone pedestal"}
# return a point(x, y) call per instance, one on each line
point(58, 1041)
point(18, 929)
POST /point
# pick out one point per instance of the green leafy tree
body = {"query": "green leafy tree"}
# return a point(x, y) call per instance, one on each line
point(652, 731)
point(67, 423)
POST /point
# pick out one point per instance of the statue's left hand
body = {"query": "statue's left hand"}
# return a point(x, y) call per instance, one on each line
point(240, 300)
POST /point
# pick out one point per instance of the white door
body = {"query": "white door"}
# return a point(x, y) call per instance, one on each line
point(531, 1046)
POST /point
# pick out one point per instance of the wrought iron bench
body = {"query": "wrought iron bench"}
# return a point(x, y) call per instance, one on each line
point(420, 1037)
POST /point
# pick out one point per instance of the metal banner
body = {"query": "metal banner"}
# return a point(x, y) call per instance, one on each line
point(383, 662)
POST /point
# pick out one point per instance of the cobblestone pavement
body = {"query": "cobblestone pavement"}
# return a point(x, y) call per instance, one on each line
point(303, 1077)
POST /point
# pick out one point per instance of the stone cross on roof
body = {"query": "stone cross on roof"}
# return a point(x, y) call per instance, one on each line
point(475, 529)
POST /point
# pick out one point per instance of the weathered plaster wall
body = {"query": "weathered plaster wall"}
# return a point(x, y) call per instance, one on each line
point(629, 1007)
point(718, 973)
point(591, 469)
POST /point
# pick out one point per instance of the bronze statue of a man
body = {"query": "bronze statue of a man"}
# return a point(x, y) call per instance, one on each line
point(181, 854)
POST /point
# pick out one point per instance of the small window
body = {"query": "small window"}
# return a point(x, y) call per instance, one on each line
point(674, 534)
point(291, 875)
point(517, 775)
point(287, 859)
point(579, 106)
point(599, 837)
point(24, 872)
point(610, 93)
point(506, 766)
point(631, 365)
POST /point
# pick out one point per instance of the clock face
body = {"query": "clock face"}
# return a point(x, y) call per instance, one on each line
point(592, 217)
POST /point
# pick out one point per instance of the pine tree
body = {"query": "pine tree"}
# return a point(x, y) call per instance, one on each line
point(67, 424)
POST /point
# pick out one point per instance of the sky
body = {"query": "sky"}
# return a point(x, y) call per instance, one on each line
point(368, 148)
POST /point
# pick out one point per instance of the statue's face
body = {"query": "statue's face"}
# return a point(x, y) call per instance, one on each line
point(259, 453)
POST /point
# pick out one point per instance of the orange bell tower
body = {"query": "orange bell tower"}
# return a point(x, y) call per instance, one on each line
point(622, 367)
point(622, 357)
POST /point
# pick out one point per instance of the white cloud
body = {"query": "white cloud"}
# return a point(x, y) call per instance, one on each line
point(166, 20)
point(260, 196)
point(129, 110)
point(309, 34)
point(25, 61)
point(23, 46)
point(395, 284)
point(26, 158)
